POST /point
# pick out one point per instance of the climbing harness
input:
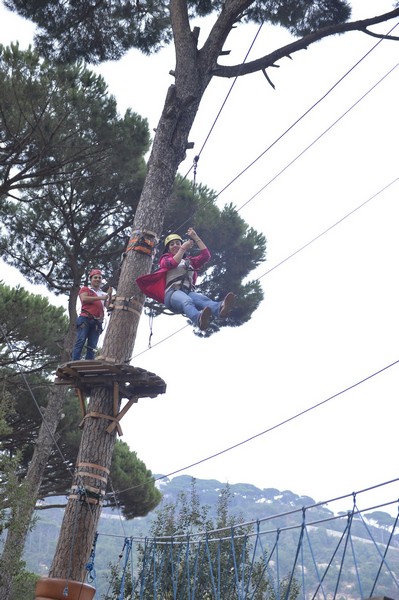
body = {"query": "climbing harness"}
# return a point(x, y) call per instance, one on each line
point(183, 281)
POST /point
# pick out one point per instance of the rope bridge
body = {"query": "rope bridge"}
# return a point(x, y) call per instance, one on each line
point(342, 557)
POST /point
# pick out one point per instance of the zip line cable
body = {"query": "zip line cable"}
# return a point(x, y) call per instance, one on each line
point(296, 121)
point(318, 137)
point(276, 426)
point(197, 156)
point(328, 229)
point(251, 164)
point(224, 101)
point(308, 110)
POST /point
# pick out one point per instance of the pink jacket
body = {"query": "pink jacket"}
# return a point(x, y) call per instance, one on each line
point(153, 284)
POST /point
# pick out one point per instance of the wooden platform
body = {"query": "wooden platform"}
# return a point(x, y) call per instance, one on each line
point(131, 381)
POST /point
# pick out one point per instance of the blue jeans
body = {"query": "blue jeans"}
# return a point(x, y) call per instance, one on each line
point(87, 330)
point(190, 304)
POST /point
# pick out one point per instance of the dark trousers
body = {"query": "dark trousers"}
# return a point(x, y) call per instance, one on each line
point(87, 330)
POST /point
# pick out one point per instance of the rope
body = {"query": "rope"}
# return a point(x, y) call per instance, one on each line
point(281, 136)
point(277, 425)
point(127, 548)
point(299, 548)
point(359, 583)
point(151, 315)
point(350, 521)
point(316, 568)
point(91, 575)
point(219, 562)
point(383, 558)
point(331, 559)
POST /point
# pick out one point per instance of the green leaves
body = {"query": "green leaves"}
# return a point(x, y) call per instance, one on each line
point(32, 330)
point(96, 31)
point(106, 29)
point(72, 168)
point(138, 495)
point(300, 17)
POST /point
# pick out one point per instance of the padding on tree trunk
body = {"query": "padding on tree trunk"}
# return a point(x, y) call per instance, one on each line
point(48, 588)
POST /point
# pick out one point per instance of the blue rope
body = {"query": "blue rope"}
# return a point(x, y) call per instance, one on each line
point(187, 558)
point(303, 571)
point(208, 555)
point(315, 565)
point(91, 575)
point(359, 583)
point(330, 562)
point(144, 569)
point(251, 568)
point(267, 557)
point(191, 593)
point(127, 548)
point(300, 540)
point(385, 554)
point(348, 531)
point(383, 557)
point(236, 579)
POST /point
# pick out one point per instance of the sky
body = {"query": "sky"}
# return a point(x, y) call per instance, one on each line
point(283, 391)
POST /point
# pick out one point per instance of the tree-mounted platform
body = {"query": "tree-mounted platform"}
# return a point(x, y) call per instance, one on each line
point(125, 381)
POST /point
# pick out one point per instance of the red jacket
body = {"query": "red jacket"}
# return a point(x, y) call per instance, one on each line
point(153, 284)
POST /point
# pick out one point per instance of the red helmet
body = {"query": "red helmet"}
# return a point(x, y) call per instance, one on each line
point(95, 272)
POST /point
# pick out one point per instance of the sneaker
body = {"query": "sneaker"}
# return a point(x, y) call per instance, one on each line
point(204, 318)
point(227, 305)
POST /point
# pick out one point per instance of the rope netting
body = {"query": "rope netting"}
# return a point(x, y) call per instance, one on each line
point(342, 556)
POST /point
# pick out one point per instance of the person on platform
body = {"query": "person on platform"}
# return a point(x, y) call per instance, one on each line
point(89, 324)
point(173, 283)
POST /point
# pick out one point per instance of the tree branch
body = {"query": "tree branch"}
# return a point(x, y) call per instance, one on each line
point(267, 61)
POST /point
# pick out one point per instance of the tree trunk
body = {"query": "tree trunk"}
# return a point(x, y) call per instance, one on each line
point(83, 509)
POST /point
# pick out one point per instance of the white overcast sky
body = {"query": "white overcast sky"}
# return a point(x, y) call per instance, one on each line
point(330, 315)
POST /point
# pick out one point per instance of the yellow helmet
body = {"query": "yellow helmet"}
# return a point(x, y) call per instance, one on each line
point(172, 236)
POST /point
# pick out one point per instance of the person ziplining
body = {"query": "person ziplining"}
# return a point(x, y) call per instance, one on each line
point(173, 284)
